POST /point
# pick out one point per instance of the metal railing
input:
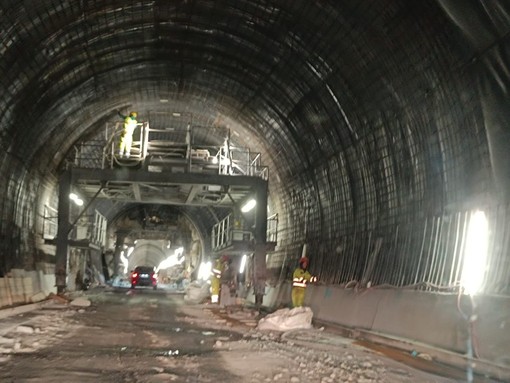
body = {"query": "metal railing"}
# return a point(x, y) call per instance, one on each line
point(221, 234)
point(99, 229)
point(50, 222)
point(113, 135)
point(230, 230)
point(167, 147)
point(91, 228)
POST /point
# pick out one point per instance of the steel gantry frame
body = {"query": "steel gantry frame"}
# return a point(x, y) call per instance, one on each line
point(94, 180)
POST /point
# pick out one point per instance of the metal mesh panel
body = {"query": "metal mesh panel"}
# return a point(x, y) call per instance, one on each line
point(369, 113)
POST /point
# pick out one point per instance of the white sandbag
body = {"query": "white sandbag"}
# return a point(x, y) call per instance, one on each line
point(197, 292)
point(287, 319)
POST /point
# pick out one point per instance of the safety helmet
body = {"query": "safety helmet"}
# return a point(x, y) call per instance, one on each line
point(303, 261)
point(224, 258)
point(133, 114)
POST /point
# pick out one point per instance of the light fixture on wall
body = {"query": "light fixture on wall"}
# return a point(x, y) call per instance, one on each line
point(77, 200)
point(243, 264)
point(475, 253)
point(249, 205)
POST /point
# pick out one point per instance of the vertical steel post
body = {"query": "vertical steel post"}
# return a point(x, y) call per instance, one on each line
point(259, 233)
point(64, 227)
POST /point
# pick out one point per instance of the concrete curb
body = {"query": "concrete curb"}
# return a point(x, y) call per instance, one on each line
point(461, 362)
point(7, 312)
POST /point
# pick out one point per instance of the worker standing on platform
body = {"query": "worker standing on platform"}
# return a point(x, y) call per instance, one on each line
point(126, 137)
point(300, 279)
point(216, 272)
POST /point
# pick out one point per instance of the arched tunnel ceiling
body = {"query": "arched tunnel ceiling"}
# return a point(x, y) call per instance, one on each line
point(368, 113)
point(298, 79)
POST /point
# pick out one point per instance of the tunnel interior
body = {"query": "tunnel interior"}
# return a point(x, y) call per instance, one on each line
point(383, 126)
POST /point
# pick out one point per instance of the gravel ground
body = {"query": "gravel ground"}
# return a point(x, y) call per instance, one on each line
point(151, 336)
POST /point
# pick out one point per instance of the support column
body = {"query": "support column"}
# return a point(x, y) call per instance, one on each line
point(259, 274)
point(259, 257)
point(64, 227)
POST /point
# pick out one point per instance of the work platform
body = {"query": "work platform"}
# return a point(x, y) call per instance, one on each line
point(168, 167)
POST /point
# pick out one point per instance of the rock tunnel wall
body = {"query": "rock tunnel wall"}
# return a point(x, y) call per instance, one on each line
point(25, 193)
point(396, 161)
point(384, 122)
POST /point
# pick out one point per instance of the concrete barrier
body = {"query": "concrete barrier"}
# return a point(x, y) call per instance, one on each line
point(22, 286)
point(413, 316)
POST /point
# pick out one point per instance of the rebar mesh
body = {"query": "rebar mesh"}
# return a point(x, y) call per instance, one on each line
point(373, 116)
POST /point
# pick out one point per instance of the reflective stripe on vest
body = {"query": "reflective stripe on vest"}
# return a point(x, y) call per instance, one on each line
point(216, 272)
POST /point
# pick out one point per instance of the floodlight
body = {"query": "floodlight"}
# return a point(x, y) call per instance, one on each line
point(248, 205)
point(204, 272)
point(475, 254)
point(243, 264)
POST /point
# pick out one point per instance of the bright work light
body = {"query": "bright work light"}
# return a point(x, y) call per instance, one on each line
point(475, 253)
point(204, 272)
point(243, 264)
point(172, 260)
point(124, 261)
point(77, 200)
point(248, 206)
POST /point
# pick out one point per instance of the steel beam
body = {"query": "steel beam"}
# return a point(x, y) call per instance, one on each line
point(191, 195)
point(257, 186)
point(260, 233)
point(64, 227)
point(136, 192)
point(164, 178)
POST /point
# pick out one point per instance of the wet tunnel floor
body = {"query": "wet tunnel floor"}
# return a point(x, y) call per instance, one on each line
point(137, 337)
point(152, 336)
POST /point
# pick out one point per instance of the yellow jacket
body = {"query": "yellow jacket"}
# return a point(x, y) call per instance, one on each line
point(300, 278)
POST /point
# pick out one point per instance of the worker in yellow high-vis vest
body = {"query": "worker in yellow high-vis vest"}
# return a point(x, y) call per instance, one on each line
point(126, 137)
point(300, 279)
point(216, 272)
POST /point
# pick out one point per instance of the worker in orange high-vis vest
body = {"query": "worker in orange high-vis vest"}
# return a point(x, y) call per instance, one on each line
point(300, 279)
